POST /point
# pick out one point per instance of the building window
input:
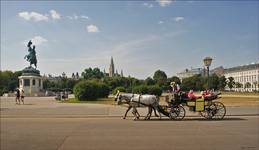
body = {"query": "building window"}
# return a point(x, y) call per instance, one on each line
point(33, 82)
point(26, 82)
point(39, 83)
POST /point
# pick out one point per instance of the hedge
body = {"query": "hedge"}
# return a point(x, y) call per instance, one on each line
point(144, 89)
point(90, 90)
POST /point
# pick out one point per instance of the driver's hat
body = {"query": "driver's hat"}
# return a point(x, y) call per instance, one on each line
point(172, 83)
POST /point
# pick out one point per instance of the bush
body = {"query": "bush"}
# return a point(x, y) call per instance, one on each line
point(120, 88)
point(1, 92)
point(144, 89)
point(154, 90)
point(90, 90)
point(141, 89)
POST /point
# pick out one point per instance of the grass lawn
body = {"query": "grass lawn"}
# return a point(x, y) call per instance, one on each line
point(241, 93)
point(240, 101)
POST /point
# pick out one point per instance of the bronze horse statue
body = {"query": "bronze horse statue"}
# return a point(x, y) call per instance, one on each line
point(31, 57)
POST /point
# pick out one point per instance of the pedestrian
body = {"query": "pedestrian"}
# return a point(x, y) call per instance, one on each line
point(22, 96)
point(17, 96)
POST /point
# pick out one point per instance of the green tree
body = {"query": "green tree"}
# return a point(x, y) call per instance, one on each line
point(255, 83)
point(160, 78)
point(160, 75)
point(9, 80)
point(247, 85)
point(90, 73)
point(117, 81)
point(214, 82)
point(174, 79)
point(149, 81)
point(222, 82)
point(196, 83)
point(231, 82)
point(238, 85)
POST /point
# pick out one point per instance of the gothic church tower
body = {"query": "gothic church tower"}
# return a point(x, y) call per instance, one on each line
point(111, 69)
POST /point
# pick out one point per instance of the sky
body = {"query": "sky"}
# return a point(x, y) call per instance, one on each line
point(141, 36)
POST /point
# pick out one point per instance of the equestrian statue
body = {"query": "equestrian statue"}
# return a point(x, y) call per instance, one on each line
point(31, 57)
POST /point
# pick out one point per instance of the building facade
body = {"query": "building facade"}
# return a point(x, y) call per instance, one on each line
point(189, 73)
point(246, 77)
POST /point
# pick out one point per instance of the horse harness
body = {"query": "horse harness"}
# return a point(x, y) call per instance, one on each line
point(138, 102)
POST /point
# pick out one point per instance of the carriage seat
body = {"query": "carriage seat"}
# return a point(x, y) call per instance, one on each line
point(193, 97)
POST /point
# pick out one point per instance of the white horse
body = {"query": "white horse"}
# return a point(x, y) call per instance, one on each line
point(136, 100)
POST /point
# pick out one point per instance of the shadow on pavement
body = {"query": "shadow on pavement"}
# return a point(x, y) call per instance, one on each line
point(24, 104)
point(195, 119)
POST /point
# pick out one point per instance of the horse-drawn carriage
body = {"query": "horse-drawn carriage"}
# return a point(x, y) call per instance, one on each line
point(206, 106)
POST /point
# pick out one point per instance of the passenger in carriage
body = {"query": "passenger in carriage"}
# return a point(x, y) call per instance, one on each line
point(191, 95)
point(209, 94)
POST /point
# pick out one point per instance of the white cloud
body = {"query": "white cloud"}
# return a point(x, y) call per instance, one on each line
point(160, 22)
point(75, 17)
point(54, 15)
point(92, 28)
point(148, 5)
point(164, 3)
point(178, 19)
point(84, 17)
point(37, 40)
point(70, 17)
point(33, 16)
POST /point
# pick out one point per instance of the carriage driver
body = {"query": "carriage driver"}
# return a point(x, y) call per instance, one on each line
point(174, 90)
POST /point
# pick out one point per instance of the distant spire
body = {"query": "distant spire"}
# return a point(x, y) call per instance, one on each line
point(117, 72)
point(121, 73)
point(77, 75)
point(63, 75)
point(112, 61)
point(111, 69)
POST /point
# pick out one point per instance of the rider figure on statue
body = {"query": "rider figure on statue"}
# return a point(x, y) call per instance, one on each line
point(31, 57)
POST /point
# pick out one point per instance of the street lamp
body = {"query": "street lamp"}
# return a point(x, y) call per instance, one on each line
point(207, 62)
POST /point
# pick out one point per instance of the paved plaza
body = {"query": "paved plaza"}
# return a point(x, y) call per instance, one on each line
point(43, 123)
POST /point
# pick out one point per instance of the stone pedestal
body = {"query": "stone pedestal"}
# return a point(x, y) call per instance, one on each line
point(31, 82)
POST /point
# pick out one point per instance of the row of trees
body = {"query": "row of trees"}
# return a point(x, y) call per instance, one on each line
point(231, 84)
point(156, 84)
point(9, 81)
point(59, 84)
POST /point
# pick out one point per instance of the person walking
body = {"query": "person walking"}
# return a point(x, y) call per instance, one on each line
point(17, 96)
point(22, 96)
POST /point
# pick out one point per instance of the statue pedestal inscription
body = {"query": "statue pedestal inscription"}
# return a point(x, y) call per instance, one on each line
point(31, 82)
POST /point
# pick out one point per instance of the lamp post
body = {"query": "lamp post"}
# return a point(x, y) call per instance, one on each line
point(207, 62)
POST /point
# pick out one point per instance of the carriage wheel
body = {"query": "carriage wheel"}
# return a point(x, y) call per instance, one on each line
point(216, 110)
point(220, 111)
point(177, 113)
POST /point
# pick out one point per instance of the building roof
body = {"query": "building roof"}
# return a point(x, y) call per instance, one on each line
point(242, 68)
